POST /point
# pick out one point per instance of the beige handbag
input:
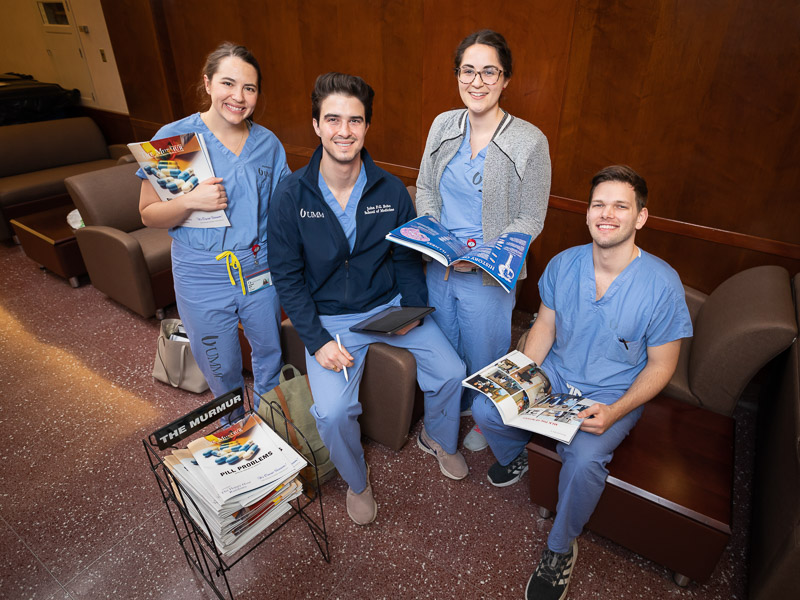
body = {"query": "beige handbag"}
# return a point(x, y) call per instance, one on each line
point(174, 362)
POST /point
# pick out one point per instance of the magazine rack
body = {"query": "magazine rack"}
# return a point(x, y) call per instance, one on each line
point(195, 537)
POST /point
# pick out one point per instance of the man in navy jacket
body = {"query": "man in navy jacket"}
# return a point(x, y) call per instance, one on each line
point(333, 267)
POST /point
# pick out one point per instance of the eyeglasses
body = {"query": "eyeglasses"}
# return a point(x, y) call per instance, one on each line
point(489, 75)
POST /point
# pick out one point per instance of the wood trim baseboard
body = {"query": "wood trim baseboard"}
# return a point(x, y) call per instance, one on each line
point(700, 232)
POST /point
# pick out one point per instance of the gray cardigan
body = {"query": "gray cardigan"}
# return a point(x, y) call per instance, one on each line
point(516, 175)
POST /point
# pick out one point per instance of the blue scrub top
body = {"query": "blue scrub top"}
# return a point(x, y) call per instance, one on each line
point(347, 217)
point(601, 345)
point(461, 188)
point(250, 180)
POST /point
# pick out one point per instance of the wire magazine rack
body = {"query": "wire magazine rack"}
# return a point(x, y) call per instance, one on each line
point(194, 536)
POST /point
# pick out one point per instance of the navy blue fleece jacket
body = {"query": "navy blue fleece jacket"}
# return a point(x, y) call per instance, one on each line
point(312, 267)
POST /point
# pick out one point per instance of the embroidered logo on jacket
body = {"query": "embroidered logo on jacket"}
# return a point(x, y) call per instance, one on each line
point(311, 214)
point(378, 208)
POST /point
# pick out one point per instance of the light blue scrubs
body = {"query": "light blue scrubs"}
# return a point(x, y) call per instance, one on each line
point(474, 317)
point(600, 349)
point(208, 304)
point(336, 407)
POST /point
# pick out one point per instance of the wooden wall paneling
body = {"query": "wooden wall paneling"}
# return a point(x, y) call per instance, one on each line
point(398, 85)
point(667, 124)
point(538, 33)
point(140, 40)
point(285, 106)
point(193, 34)
point(692, 97)
point(612, 43)
point(746, 173)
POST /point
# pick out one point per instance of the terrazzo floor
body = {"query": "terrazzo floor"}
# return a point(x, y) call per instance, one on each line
point(81, 517)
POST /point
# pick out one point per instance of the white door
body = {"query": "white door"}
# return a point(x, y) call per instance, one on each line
point(64, 48)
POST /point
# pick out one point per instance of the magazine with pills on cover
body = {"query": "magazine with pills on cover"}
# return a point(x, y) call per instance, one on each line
point(521, 392)
point(244, 456)
point(176, 165)
point(502, 257)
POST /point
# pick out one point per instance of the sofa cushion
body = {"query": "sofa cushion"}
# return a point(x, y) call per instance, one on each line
point(156, 246)
point(31, 147)
point(25, 187)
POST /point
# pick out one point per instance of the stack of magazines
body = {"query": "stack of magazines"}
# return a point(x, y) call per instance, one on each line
point(241, 479)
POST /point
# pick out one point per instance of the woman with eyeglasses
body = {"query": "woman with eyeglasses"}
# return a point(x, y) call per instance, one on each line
point(484, 173)
point(221, 273)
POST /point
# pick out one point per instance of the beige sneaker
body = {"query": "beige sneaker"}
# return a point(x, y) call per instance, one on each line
point(452, 465)
point(362, 507)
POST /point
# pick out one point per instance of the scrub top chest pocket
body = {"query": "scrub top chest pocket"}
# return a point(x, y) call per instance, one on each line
point(623, 344)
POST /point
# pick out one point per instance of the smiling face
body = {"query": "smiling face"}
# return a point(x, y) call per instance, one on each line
point(477, 96)
point(613, 217)
point(342, 127)
point(233, 89)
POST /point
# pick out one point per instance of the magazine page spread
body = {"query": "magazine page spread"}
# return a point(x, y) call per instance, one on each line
point(521, 393)
point(175, 166)
point(502, 257)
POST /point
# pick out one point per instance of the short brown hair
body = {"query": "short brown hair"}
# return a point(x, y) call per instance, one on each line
point(341, 83)
point(623, 174)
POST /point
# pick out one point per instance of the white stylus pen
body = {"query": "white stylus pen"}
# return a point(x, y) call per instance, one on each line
point(339, 342)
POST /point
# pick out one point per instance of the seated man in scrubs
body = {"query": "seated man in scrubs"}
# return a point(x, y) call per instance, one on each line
point(333, 267)
point(609, 328)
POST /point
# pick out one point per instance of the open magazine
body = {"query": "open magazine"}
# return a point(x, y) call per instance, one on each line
point(502, 257)
point(521, 392)
point(175, 166)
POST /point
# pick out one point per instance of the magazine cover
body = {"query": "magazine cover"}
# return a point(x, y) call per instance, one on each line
point(521, 393)
point(175, 166)
point(241, 457)
point(502, 257)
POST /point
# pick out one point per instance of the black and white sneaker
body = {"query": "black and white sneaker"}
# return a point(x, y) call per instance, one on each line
point(500, 476)
point(550, 581)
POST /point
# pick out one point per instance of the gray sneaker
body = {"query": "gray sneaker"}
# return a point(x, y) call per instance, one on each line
point(475, 440)
point(452, 465)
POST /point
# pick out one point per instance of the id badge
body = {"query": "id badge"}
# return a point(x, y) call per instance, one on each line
point(258, 281)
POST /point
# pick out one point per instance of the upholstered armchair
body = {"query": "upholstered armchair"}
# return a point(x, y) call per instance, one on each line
point(128, 262)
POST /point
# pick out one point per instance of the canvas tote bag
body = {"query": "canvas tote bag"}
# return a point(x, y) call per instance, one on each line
point(174, 362)
point(293, 395)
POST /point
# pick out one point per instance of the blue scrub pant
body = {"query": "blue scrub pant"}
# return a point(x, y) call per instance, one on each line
point(583, 462)
point(336, 407)
point(476, 318)
point(211, 308)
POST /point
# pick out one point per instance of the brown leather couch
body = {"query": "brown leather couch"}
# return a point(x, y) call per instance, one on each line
point(127, 261)
point(775, 525)
point(35, 158)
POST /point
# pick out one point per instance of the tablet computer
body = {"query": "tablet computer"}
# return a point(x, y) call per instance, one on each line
point(392, 319)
